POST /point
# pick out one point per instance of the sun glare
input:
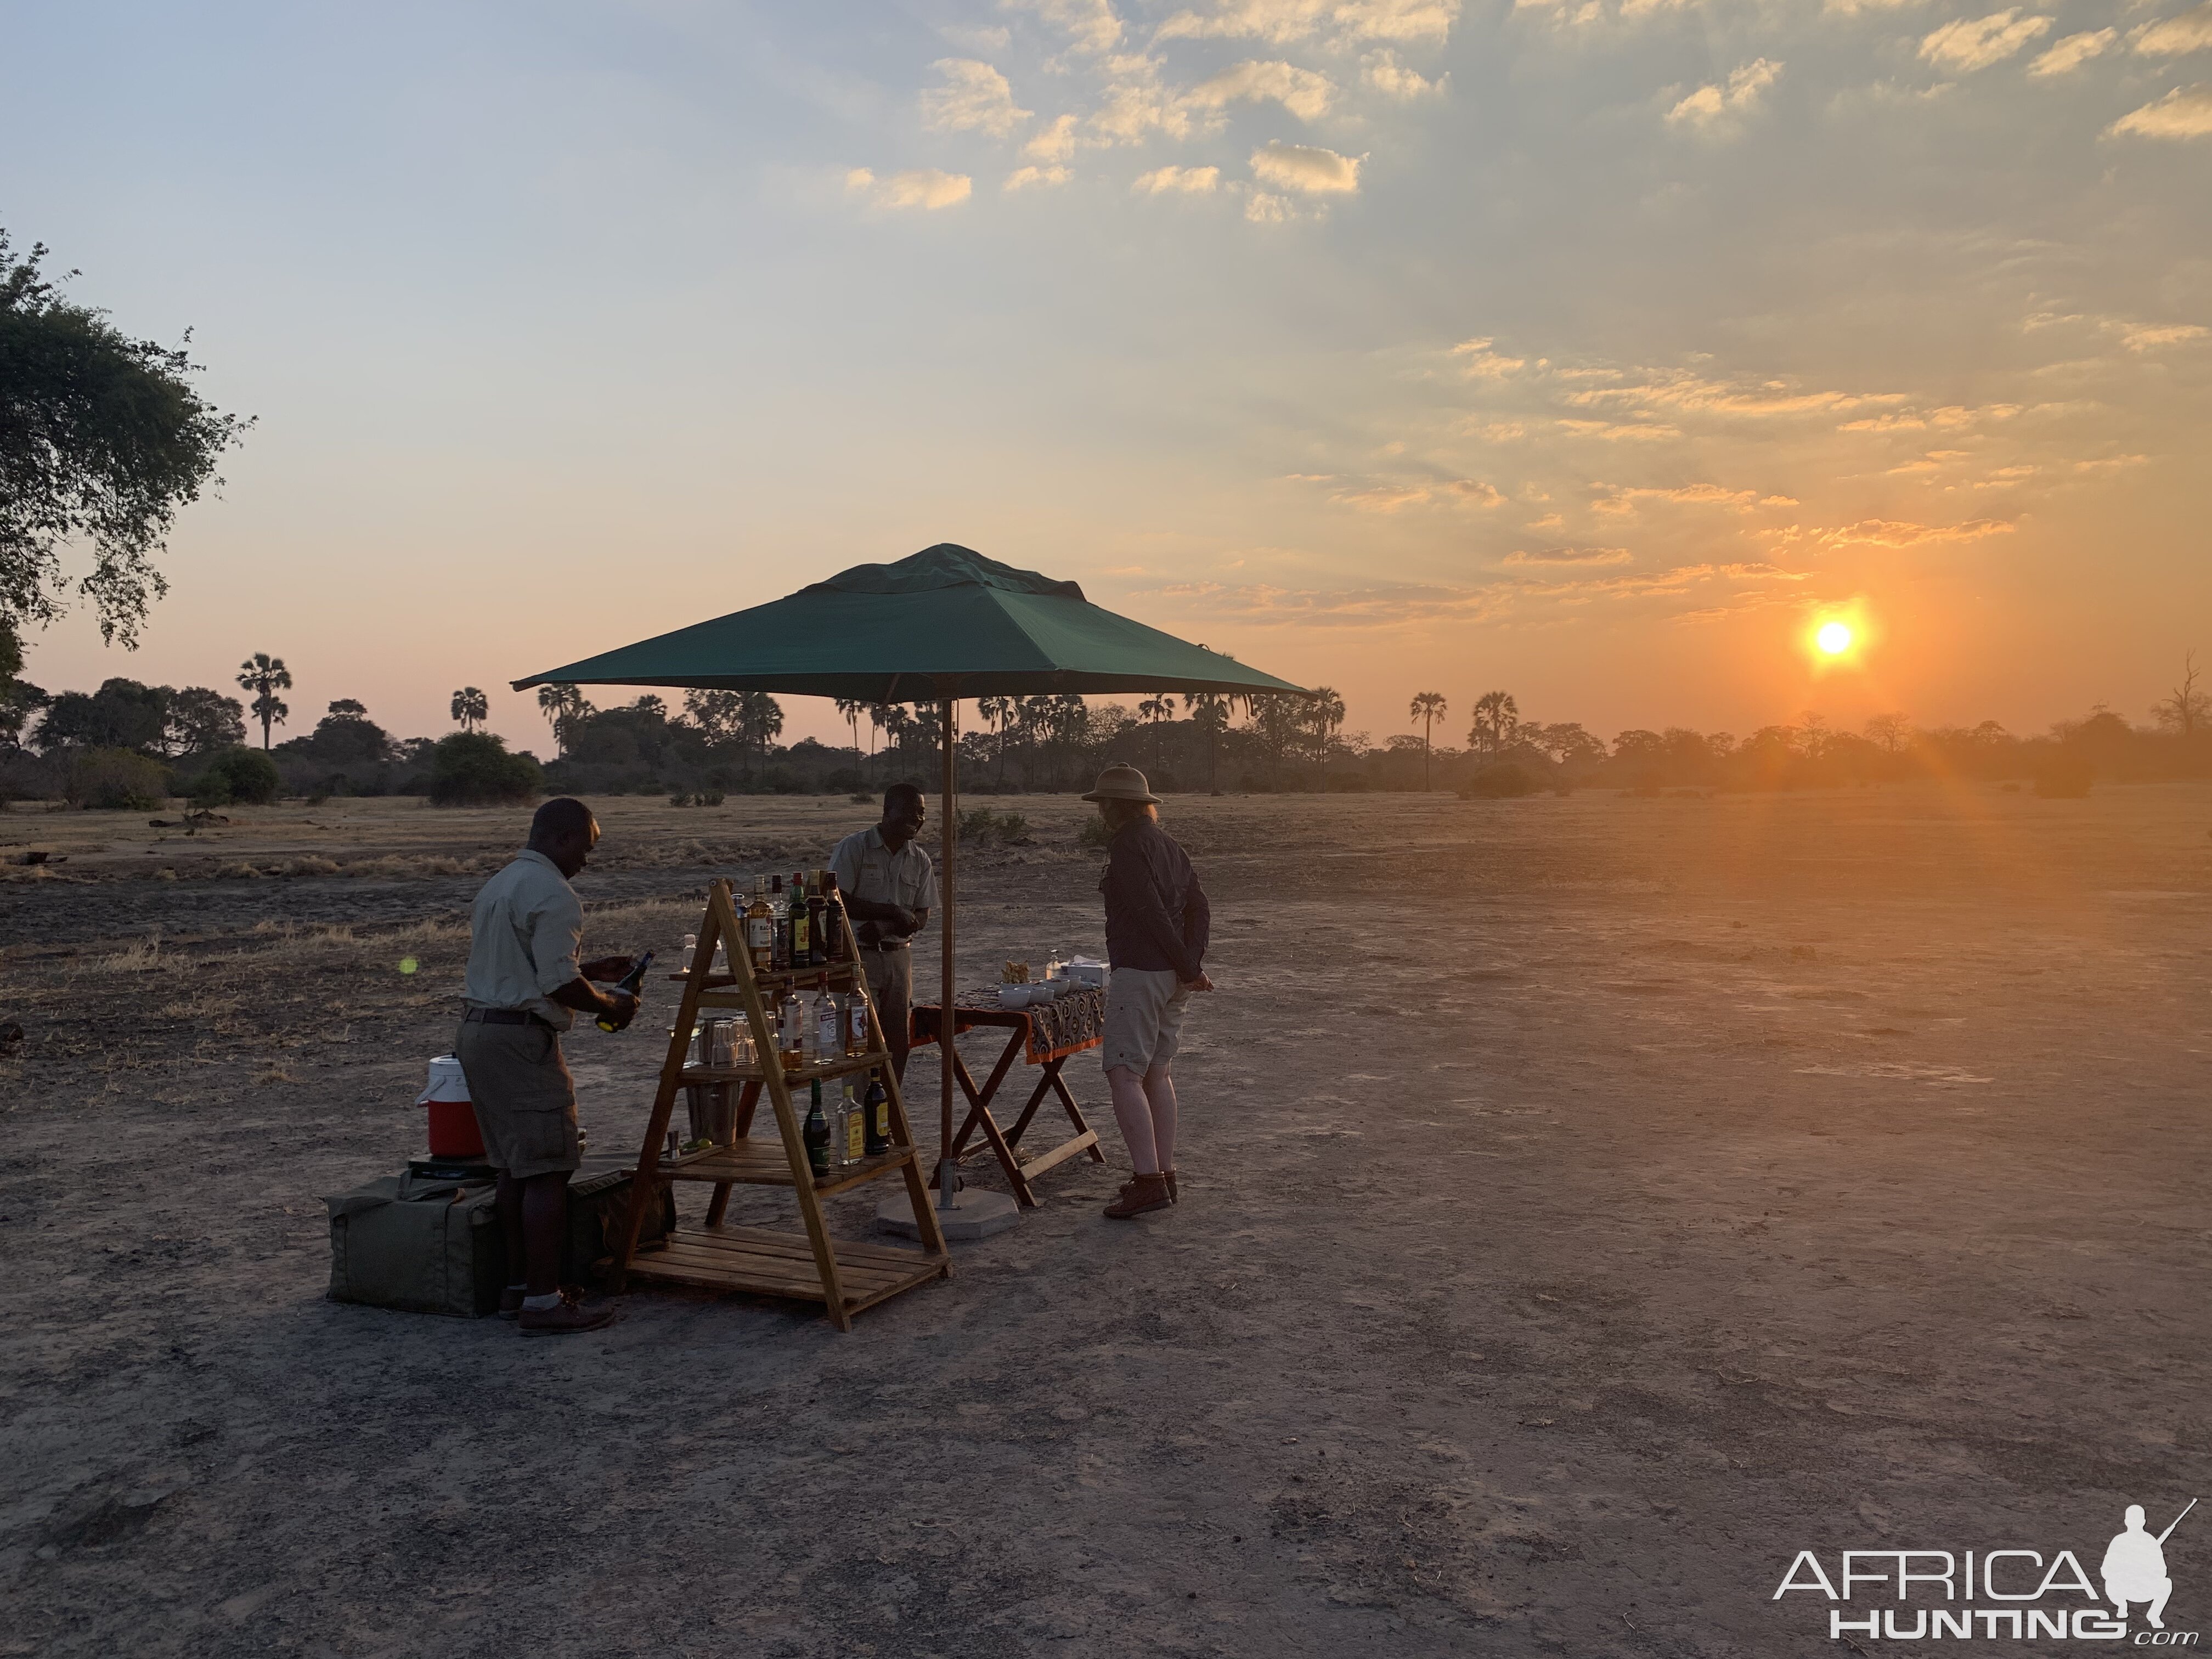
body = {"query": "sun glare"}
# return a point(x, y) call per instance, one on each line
point(1833, 638)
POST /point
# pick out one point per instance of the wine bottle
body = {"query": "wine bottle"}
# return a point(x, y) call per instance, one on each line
point(630, 981)
point(817, 911)
point(833, 919)
point(878, 1111)
point(817, 1134)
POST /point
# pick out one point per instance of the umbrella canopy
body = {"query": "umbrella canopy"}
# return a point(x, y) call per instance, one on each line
point(946, 622)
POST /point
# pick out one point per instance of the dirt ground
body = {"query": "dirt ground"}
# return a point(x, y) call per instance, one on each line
point(1589, 1203)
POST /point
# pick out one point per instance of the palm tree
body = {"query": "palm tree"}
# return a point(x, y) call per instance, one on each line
point(265, 675)
point(852, 708)
point(560, 704)
point(879, 721)
point(760, 719)
point(1428, 709)
point(1495, 714)
point(1000, 711)
point(471, 707)
point(1326, 712)
point(1209, 711)
point(1156, 709)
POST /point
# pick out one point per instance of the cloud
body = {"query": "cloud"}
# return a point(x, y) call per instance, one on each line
point(1090, 25)
point(1137, 105)
point(922, 187)
point(1693, 394)
point(2184, 113)
point(1382, 71)
point(1285, 21)
point(1263, 209)
point(1708, 105)
point(2075, 49)
point(1395, 498)
point(1583, 556)
point(1483, 363)
point(1191, 181)
point(1899, 533)
point(1024, 178)
point(1619, 431)
point(2171, 37)
point(1971, 44)
point(1055, 143)
point(2149, 337)
point(1698, 494)
point(974, 98)
point(1303, 92)
point(1306, 167)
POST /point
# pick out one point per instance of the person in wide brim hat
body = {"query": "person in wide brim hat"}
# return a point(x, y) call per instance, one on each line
point(1122, 783)
point(1157, 926)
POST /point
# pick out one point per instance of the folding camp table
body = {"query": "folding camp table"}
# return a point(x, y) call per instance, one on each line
point(1047, 1036)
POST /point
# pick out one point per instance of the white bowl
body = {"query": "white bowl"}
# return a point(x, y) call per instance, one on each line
point(1015, 996)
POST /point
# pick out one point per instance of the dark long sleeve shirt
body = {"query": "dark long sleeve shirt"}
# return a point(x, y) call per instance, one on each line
point(1157, 916)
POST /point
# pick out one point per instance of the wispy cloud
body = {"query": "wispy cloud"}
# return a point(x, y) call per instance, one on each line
point(1696, 494)
point(2149, 337)
point(920, 187)
point(1554, 555)
point(1619, 431)
point(2172, 37)
point(1303, 92)
point(974, 98)
point(2069, 54)
point(1031, 178)
point(1285, 21)
point(1971, 44)
point(2184, 113)
point(1091, 26)
point(1306, 169)
point(1189, 181)
point(1382, 71)
point(1055, 143)
point(1712, 107)
point(1397, 497)
point(1483, 361)
point(1902, 533)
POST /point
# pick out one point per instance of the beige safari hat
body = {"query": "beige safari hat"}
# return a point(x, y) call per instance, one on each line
point(1123, 783)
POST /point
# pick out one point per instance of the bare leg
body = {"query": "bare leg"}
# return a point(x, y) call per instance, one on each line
point(544, 1217)
point(1133, 1110)
point(1160, 1096)
point(510, 1226)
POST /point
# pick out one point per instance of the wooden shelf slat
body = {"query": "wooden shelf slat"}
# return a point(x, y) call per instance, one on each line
point(761, 1163)
point(770, 1263)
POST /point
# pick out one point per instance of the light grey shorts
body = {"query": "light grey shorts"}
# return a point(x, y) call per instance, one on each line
point(1144, 1008)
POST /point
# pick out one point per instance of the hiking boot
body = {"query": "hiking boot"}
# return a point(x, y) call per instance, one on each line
point(571, 1317)
point(1168, 1176)
point(1146, 1192)
point(510, 1298)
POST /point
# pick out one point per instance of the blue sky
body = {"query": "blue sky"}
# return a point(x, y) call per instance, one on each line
point(1588, 350)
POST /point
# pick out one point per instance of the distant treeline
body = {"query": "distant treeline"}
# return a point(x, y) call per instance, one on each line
point(130, 744)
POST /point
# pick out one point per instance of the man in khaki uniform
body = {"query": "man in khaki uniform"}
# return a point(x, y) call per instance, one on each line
point(526, 986)
point(889, 887)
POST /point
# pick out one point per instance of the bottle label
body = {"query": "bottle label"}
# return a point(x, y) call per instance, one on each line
point(884, 1118)
point(855, 1136)
point(797, 935)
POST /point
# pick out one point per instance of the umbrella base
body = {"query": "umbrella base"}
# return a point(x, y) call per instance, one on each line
point(975, 1213)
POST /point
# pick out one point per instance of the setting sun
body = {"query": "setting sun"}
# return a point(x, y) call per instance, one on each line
point(1833, 638)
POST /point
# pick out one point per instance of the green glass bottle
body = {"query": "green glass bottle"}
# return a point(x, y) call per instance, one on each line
point(817, 1134)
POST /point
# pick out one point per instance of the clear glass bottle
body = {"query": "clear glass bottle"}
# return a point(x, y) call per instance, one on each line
point(760, 930)
point(792, 1034)
point(780, 910)
point(828, 1027)
point(856, 1024)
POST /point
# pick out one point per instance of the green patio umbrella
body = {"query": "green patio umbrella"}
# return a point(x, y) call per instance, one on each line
point(944, 624)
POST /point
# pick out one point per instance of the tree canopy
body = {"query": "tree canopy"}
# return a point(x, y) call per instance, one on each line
point(102, 438)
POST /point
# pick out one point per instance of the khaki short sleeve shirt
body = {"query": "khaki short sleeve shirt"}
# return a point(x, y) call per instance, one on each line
point(526, 936)
point(867, 869)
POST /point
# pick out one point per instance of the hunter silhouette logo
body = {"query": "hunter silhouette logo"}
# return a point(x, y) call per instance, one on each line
point(2006, 1594)
point(2135, 1567)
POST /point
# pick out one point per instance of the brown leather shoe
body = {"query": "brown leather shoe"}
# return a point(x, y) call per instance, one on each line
point(1146, 1192)
point(1168, 1176)
point(571, 1317)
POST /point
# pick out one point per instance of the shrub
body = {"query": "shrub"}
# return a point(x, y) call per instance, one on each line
point(1503, 782)
point(984, 824)
point(117, 780)
point(1094, 832)
point(237, 773)
point(472, 768)
point(2063, 777)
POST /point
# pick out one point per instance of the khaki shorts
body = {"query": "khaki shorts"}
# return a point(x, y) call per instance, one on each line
point(524, 1099)
point(891, 982)
point(1144, 1008)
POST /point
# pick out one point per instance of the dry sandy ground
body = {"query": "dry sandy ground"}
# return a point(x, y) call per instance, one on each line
point(1588, 1204)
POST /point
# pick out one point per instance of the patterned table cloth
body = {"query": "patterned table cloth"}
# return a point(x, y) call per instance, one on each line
point(1076, 1022)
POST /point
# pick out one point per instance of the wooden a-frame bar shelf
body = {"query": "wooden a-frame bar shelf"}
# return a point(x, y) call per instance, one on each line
point(843, 1274)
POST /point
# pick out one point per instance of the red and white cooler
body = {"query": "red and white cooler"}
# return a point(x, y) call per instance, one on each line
point(453, 1132)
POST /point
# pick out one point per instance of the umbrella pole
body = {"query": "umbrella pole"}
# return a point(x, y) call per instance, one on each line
point(948, 1179)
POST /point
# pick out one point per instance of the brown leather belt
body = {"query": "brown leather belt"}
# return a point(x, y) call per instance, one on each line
point(506, 1016)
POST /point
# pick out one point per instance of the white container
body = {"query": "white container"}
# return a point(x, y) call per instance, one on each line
point(1016, 996)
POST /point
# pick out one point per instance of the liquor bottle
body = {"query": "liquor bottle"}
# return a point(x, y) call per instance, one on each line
point(817, 1134)
point(856, 1024)
point(833, 919)
point(630, 981)
point(876, 1108)
point(793, 1037)
point(828, 1027)
point(801, 954)
point(816, 945)
point(854, 1120)
point(760, 931)
point(782, 911)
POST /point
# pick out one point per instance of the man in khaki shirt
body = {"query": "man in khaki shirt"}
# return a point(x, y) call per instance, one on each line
point(889, 887)
point(525, 986)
